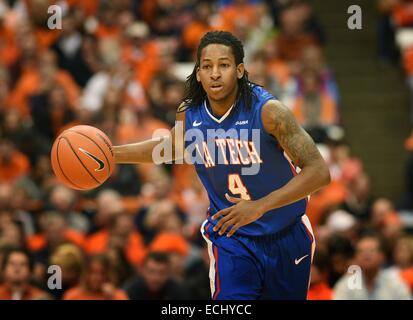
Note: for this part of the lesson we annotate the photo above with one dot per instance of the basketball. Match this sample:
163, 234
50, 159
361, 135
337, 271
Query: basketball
82, 157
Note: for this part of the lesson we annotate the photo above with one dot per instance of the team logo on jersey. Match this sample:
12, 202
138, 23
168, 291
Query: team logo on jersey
240, 123
210, 147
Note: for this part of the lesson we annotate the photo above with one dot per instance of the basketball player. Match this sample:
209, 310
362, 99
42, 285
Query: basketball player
260, 240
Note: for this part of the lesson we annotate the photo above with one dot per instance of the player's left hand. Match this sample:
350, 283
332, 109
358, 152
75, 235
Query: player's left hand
238, 215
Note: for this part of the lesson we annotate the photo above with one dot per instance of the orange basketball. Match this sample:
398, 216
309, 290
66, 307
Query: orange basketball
82, 157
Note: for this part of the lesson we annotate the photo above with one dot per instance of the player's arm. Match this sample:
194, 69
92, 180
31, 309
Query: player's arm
280, 122
143, 152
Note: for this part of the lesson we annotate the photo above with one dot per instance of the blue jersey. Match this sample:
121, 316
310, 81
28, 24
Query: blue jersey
235, 155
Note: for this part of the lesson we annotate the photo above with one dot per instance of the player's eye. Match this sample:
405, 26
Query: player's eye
224, 65
206, 67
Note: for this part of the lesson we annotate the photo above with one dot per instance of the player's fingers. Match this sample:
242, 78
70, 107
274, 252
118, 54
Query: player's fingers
221, 222
232, 199
234, 229
226, 225
220, 213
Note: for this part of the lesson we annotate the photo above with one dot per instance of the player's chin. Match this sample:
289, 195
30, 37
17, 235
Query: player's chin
217, 94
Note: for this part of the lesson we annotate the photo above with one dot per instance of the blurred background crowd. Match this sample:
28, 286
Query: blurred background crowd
121, 66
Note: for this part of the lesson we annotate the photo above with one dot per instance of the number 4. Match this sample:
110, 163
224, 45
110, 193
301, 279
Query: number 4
236, 186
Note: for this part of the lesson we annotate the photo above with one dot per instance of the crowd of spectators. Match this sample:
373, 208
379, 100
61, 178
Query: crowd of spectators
121, 66
395, 44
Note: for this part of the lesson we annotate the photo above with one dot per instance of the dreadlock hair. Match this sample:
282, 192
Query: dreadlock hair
195, 93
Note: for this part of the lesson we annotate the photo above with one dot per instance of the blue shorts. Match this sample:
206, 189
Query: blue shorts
269, 267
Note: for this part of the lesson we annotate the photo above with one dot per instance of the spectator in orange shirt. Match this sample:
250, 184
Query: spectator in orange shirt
17, 269
12, 233
314, 109
402, 252
177, 248
292, 39
63, 200
54, 232
154, 281
37, 11
70, 259
402, 255
162, 215
50, 111
97, 283
9, 51
239, 12
108, 206
385, 219
313, 59
23, 135
40, 79
198, 27
107, 15
13, 164
319, 288
260, 74
121, 235
141, 52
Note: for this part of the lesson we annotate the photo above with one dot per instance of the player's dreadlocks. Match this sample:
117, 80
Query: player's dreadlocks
195, 93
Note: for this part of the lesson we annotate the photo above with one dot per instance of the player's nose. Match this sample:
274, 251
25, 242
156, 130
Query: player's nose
215, 74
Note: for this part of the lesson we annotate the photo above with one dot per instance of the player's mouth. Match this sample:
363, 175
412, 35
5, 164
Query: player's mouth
216, 87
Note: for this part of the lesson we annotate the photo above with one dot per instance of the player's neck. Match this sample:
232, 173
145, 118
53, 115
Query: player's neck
220, 107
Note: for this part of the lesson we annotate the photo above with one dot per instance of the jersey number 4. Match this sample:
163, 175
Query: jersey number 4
236, 186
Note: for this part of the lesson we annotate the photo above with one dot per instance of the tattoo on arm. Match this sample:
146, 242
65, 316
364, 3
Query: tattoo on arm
279, 121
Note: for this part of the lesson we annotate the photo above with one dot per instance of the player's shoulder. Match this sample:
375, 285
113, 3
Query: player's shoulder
181, 110
260, 93
273, 113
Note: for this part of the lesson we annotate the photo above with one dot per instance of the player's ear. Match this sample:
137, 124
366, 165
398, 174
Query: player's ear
240, 70
198, 78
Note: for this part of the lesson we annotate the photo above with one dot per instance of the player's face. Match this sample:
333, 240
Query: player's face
218, 72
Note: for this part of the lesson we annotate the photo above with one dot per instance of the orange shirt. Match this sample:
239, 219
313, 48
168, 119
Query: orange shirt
290, 48
9, 52
403, 14
135, 251
407, 276
408, 60
193, 32
320, 291
79, 293
19, 166
31, 293
45, 37
145, 61
89, 7
38, 242
29, 84
328, 112
280, 70
170, 242
334, 193
232, 14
